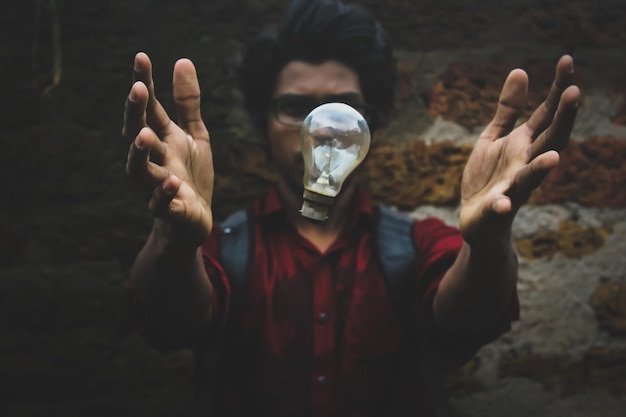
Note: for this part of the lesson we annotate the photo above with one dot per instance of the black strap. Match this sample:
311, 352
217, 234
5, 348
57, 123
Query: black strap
236, 254
397, 254
235, 258
397, 257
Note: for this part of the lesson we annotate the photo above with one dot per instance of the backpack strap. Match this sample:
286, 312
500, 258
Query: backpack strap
236, 242
396, 250
236, 251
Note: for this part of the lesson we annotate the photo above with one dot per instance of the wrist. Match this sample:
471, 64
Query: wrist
171, 237
492, 248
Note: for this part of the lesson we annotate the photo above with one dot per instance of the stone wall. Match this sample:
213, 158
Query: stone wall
71, 224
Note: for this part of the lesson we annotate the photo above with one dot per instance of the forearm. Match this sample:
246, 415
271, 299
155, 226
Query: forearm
171, 286
476, 291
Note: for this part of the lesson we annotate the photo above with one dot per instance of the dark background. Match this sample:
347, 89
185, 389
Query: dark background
71, 224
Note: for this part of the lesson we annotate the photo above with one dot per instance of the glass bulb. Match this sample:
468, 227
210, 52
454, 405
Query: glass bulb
334, 140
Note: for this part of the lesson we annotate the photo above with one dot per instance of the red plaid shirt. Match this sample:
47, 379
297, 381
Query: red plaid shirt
318, 335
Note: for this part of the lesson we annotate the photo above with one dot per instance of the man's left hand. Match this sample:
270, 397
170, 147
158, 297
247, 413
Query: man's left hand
508, 162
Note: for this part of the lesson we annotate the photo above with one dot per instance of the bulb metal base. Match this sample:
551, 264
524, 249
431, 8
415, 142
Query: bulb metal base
315, 206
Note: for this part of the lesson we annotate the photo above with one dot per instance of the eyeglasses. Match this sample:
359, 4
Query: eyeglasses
292, 109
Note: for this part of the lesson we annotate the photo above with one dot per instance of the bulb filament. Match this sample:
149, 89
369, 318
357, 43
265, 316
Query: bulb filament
324, 178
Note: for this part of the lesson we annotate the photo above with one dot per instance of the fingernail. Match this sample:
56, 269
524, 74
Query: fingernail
138, 144
132, 96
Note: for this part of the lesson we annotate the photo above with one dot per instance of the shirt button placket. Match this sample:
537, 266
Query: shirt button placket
322, 372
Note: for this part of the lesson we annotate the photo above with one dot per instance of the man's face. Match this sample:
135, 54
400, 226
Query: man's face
300, 88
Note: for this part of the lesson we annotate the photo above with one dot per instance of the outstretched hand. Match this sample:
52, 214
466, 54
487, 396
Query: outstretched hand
508, 162
171, 161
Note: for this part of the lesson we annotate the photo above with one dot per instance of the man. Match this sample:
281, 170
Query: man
316, 333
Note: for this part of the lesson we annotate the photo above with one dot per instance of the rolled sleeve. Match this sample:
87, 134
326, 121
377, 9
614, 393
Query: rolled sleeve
220, 300
437, 246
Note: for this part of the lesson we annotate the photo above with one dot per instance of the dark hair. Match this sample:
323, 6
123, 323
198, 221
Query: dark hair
315, 31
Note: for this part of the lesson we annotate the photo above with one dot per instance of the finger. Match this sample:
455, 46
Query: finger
156, 116
187, 99
135, 111
510, 105
542, 117
139, 166
530, 177
163, 196
557, 135
501, 205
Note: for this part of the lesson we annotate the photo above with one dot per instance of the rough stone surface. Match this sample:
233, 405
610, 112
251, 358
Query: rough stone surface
71, 224
609, 302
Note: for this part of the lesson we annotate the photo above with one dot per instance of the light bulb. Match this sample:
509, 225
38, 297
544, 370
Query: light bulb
334, 140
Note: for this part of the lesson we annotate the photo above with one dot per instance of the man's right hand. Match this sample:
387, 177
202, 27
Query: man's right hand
171, 161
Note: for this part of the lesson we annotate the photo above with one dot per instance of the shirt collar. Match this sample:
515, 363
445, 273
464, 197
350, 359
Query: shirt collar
271, 203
